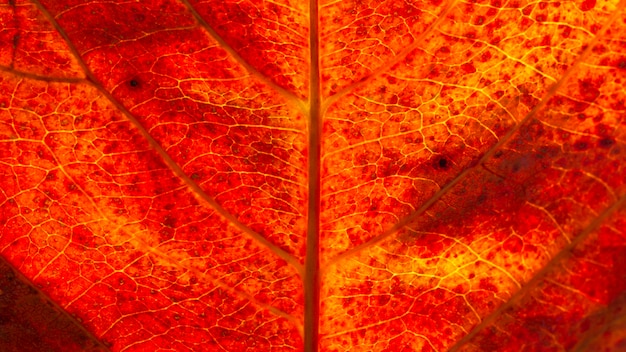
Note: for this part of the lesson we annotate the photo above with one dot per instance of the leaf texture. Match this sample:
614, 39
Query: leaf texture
325, 176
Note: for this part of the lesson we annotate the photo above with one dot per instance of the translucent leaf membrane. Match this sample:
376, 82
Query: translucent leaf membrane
154, 189
593, 309
111, 234
359, 38
509, 254
239, 140
29, 43
272, 37
94, 216
401, 136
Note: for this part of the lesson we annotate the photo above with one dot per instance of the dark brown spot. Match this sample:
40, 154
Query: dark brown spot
606, 142
441, 163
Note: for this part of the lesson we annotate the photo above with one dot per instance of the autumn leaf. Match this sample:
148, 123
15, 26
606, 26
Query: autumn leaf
327, 176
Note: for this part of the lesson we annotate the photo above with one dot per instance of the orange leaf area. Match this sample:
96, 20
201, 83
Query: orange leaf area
325, 176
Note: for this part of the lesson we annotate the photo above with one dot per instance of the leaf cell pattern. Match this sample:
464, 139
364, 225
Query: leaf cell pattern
184, 175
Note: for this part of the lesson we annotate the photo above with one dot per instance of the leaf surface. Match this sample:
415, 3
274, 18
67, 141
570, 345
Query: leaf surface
332, 176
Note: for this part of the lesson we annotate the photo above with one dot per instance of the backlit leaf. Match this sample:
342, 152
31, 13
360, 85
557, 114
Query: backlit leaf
182, 175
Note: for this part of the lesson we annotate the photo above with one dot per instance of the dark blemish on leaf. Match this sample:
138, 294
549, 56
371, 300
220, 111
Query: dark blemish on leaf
441, 163
133, 83
522, 163
16, 40
169, 222
581, 145
606, 143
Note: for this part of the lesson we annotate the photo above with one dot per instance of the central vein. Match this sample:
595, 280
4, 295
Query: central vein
311, 277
